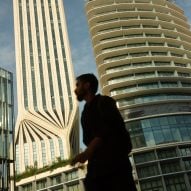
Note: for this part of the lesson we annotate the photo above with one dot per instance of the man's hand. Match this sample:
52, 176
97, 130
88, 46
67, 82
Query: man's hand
88, 153
82, 158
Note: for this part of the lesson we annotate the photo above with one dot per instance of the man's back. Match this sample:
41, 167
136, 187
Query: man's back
101, 118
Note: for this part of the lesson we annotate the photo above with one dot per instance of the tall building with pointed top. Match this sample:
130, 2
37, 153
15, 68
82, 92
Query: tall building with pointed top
143, 55
47, 122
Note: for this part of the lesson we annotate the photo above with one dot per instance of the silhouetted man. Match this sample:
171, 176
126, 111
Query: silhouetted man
108, 142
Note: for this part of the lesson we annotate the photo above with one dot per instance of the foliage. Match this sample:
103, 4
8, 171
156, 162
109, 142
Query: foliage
33, 170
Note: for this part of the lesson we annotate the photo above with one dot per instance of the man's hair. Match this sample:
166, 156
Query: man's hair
91, 78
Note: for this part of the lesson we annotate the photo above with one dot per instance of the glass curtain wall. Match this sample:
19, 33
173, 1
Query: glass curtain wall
6, 128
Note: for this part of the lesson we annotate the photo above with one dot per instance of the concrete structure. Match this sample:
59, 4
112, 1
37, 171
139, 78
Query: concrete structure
60, 179
143, 55
47, 122
6, 128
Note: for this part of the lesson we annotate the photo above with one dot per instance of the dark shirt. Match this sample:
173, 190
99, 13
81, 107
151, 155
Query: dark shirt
101, 118
109, 168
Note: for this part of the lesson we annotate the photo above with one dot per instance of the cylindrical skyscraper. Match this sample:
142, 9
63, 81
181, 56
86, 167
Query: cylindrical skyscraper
47, 123
143, 56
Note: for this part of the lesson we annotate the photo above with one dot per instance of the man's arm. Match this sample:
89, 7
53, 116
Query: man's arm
88, 153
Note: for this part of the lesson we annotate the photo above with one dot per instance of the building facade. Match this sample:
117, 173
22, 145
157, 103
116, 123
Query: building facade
6, 128
143, 56
47, 122
61, 179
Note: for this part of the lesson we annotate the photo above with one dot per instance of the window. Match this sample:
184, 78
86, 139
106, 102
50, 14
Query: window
128, 18
167, 153
187, 163
148, 85
108, 49
169, 167
34, 151
175, 54
175, 183
125, 9
120, 79
148, 171
169, 84
145, 75
184, 84
180, 64
165, 73
136, 45
189, 176
152, 185
155, 44
134, 35
111, 38
153, 131
43, 152
142, 64
150, 26
137, 54
61, 148
185, 151
159, 53
183, 74
144, 157
74, 187
152, 35
115, 58
131, 88
168, 36
151, 98
109, 29
71, 175
27, 187
108, 20
118, 68
26, 154
148, 17
100, 12
131, 27
159, 63
41, 184
173, 45
56, 179
52, 149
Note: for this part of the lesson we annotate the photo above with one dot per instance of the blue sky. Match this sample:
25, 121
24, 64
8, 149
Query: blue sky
82, 53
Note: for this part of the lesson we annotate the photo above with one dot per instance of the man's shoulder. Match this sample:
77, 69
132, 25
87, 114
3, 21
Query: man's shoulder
105, 98
105, 101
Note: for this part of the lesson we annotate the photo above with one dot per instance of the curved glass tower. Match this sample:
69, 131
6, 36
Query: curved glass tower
47, 122
143, 56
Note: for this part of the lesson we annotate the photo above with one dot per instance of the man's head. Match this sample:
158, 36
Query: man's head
86, 84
